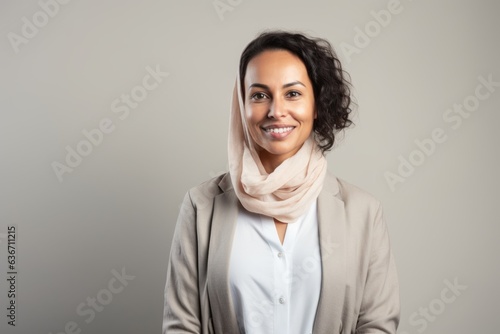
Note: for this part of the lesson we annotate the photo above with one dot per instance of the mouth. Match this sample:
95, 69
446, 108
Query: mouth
277, 132
279, 129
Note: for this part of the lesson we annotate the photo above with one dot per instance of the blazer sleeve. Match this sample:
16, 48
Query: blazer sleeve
181, 303
380, 306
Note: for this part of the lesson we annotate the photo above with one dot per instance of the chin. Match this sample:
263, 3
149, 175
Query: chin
277, 150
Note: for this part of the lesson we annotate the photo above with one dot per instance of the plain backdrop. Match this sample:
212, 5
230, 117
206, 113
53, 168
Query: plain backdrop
67, 69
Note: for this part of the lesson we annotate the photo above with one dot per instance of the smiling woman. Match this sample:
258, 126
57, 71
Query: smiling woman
278, 244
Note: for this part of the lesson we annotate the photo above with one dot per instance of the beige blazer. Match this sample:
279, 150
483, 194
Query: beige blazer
359, 287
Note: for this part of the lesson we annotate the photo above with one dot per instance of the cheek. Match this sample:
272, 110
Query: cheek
249, 116
252, 120
307, 114
254, 114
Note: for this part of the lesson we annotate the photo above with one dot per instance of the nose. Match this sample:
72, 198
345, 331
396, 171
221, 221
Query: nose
277, 109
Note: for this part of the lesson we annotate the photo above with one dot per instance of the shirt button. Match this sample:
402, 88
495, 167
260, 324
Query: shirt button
280, 254
282, 300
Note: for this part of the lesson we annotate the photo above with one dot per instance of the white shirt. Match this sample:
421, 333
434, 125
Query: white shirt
275, 288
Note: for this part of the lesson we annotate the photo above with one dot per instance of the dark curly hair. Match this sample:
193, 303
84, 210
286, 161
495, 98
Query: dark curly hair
330, 82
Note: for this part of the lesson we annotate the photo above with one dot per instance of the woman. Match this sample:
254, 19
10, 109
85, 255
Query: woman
278, 244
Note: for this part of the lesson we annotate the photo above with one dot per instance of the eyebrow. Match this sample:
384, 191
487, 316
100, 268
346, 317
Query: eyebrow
284, 86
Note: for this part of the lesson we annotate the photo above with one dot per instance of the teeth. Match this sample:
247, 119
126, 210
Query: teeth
280, 130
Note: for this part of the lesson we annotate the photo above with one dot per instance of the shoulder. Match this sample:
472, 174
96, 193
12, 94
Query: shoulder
207, 190
353, 196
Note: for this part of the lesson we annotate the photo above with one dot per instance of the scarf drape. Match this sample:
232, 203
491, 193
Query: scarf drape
287, 192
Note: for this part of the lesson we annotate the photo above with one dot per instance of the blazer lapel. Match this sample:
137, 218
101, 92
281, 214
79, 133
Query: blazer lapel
332, 230
223, 226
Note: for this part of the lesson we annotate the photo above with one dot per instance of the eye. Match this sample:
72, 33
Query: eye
258, 96
293, 94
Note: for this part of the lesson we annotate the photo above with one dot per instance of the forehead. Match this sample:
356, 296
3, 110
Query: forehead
275, 66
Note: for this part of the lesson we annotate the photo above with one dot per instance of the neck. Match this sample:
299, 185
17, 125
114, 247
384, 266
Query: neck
270, 161
270, 166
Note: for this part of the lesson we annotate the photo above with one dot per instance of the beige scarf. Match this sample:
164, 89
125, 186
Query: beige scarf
287, 192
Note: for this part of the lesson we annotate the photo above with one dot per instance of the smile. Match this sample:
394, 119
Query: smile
279, 130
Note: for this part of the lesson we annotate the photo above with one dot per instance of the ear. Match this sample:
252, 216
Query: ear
315, 114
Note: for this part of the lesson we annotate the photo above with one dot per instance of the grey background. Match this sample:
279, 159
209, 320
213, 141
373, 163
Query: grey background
117, 209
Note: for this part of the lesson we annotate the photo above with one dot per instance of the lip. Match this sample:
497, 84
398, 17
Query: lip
274, 126
277, 135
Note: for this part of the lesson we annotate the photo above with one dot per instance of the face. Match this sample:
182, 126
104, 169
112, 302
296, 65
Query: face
279, 105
